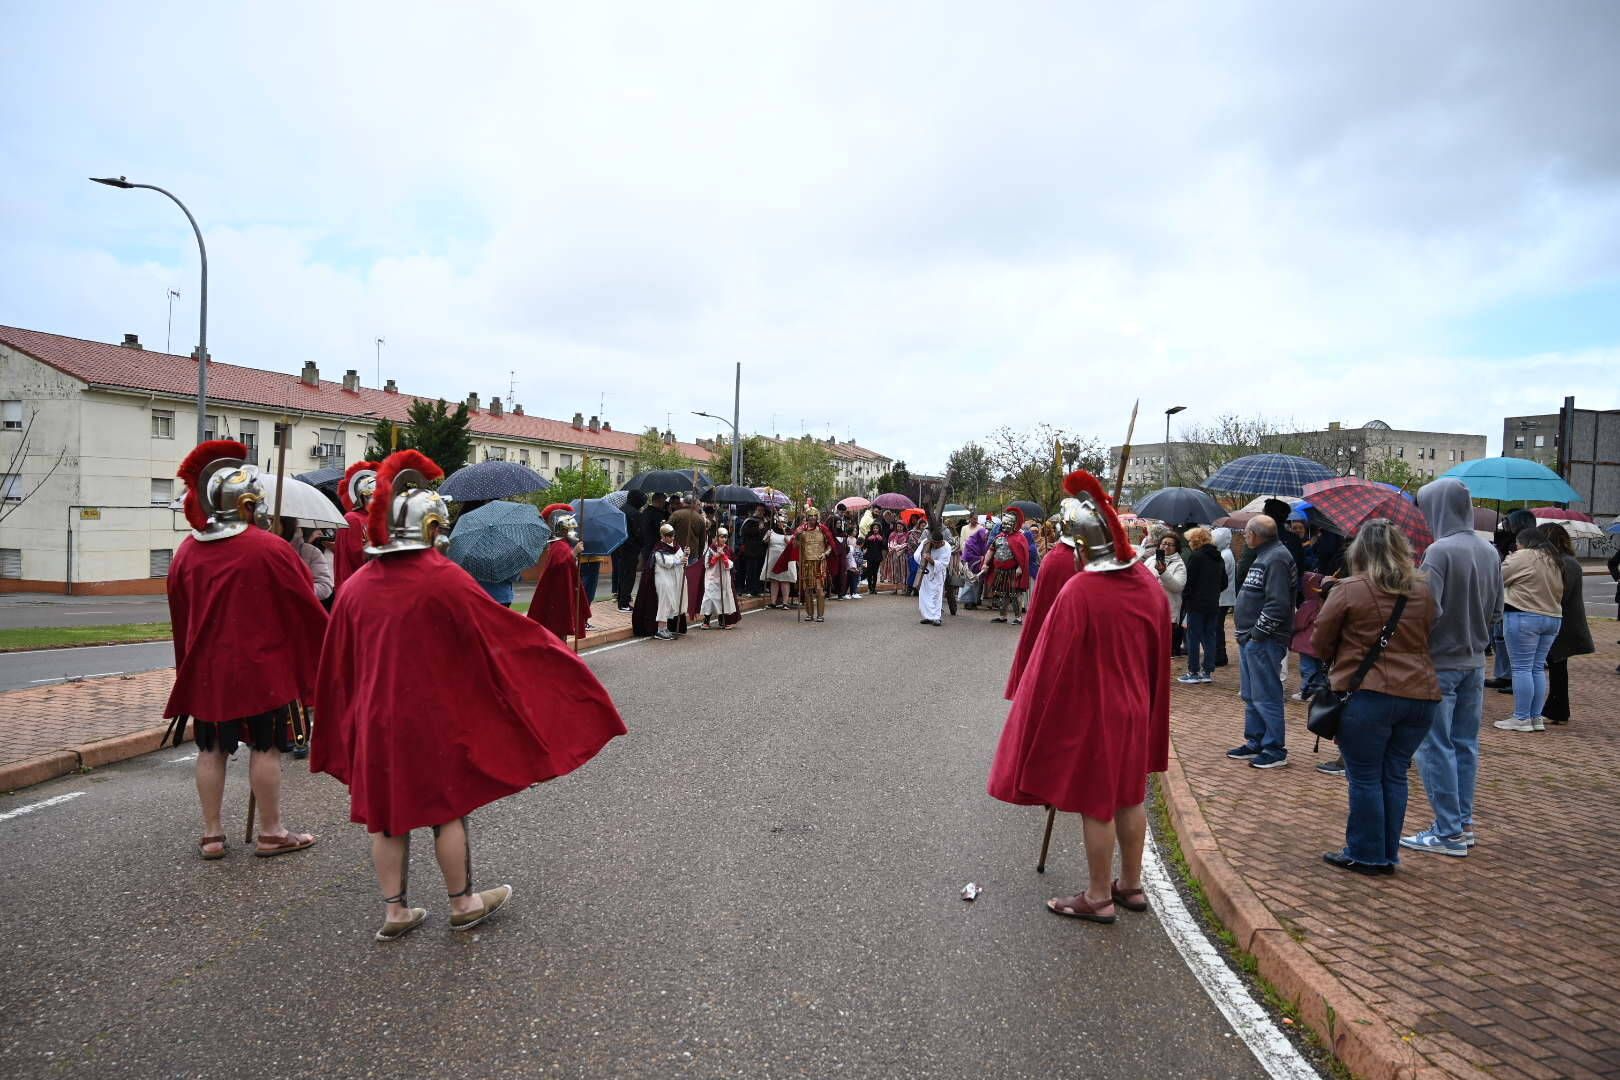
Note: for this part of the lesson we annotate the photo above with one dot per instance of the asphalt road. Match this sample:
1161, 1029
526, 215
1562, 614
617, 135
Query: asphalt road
42, 609
40, 667
761, 880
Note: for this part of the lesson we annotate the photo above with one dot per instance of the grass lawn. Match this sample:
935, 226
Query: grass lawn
67, 637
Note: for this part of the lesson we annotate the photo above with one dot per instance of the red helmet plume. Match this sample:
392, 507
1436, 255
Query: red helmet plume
382, 499
191, 475
348, 474
1080, 483
545, 515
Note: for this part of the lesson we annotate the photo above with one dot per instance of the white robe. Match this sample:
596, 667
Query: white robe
669, 575
931, 588
719, 597
775, 544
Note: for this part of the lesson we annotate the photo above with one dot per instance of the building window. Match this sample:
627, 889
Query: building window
1451, 455
10, 415
545, 459
523, 455
1518, 442
1400, 451
11, 487
565, 461
11, 563
162, 492
495, 453
210, 426
162, 423
279, 438
331, 447
250, 437
1541, 441
159, 562
1431, 454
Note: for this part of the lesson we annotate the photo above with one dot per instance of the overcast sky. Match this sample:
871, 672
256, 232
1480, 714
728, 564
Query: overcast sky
911, 224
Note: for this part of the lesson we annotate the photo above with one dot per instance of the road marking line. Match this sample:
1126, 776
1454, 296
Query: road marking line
54, 800
1279, 1057
183, 757
86, 648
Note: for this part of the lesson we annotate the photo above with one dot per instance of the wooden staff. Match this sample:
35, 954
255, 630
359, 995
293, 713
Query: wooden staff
584, 478
1046, 841
281, 476
1125, 453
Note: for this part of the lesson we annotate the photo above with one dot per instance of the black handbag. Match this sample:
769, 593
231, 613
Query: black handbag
1327, 705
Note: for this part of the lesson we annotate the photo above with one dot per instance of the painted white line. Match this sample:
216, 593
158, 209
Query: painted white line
86, 648
54, 800
182, 757
1279, 1057
70, 678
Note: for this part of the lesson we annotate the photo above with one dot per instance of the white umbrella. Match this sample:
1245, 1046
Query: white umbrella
298, 500
1255, 506
1578, 530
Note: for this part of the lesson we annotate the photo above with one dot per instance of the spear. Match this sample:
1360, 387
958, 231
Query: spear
281, 476
584, 479
1125, 453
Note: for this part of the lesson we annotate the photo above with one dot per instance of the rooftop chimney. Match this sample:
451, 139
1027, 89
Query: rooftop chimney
606, 426
596, 424
495, 406
194, 354
517, 410
132, 341
472, 402
389, 387
311, 375
351, 380
579, 421
1333, 425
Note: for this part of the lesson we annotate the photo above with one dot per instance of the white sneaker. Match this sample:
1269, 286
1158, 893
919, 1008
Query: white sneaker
1539, 722
1511, 724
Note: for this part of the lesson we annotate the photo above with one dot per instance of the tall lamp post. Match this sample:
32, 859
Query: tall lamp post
202, 318
736, 447
1168, 413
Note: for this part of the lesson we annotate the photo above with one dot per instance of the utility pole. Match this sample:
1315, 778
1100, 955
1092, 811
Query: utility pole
736, 431
380, 343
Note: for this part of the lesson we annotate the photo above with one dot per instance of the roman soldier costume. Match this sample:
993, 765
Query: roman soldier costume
560, 603
1007, 564
354, 493
1091, 712
809, 549
434, 701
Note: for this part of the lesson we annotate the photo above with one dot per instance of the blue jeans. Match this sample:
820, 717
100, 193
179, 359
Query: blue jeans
1529, 639
1260, 686
1309, 668
1202, 630
1377, 737
589, 575
1448, 760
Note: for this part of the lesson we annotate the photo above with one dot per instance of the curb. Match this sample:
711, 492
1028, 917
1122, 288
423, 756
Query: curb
94, 755
1351, 1031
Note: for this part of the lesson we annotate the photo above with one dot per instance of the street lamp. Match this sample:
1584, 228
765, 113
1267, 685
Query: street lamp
736, 445
202, 319
1168, 413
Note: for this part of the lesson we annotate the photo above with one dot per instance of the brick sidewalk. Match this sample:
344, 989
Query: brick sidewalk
1505, 964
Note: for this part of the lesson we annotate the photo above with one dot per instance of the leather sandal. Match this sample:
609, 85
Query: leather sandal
1078, 907
210, 856
1129, 899
393, 931
280, 845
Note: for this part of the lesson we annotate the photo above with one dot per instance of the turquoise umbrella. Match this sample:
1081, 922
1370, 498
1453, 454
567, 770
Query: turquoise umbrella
1512, 479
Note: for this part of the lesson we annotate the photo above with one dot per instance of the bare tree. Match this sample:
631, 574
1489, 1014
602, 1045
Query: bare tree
19, 458
1030, 464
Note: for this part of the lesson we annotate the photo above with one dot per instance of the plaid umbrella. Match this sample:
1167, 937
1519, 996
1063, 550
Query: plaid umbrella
893, 500
616, 499
1345, 502
489, 480
1269, 474
499, 541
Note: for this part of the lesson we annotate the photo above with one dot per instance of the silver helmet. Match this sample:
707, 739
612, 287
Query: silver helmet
232, 496
565, 526
418, 517
362, 485
1085, 526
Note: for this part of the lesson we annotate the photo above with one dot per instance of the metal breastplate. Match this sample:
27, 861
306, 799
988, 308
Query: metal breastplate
812, 545
1004, 552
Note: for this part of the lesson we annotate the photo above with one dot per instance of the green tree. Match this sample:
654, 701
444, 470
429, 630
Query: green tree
652, 452
1031, 463
760, 461
804, 467
568, 484
968, 474
897, 479
1394, 470
433, 429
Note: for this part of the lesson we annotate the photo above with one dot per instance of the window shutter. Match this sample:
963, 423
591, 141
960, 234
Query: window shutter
11, 563
160, 562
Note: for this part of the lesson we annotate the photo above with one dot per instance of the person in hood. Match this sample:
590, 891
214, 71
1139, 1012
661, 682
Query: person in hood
1223, 540
1465, 578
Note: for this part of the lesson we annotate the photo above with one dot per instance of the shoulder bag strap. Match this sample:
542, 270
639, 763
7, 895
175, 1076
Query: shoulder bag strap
1377, 650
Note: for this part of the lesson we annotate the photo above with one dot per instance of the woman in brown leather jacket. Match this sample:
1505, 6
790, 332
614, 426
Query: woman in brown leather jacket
1387, 718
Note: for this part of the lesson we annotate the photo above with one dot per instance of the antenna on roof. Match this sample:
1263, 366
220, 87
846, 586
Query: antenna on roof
380, 343
601, 407
168, 339
511, 387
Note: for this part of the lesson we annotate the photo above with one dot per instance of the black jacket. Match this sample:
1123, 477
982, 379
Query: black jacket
753, 538
1574, 635
1206, 577
651, 517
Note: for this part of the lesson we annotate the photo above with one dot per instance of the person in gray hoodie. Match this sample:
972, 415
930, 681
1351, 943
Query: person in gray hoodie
1265, 623
1223, 541
1465, 577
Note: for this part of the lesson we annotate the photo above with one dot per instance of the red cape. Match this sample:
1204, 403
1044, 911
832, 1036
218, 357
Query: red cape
435, 700
1020, 549
348, 550
559, 602
247, 627
790, 554
1091, 718
1056, 569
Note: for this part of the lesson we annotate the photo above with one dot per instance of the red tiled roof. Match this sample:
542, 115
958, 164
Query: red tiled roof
848, 451
117, 367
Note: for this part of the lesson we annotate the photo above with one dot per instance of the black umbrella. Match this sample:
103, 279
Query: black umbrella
325, 481
668, 481
1179, 506
735, 494
1032, 510
490, 480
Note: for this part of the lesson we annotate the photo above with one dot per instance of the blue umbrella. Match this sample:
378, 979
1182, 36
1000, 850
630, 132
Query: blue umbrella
1268, 474
1614, 527
604, 524
489, 480
1512, 479
499, 541
1179, 505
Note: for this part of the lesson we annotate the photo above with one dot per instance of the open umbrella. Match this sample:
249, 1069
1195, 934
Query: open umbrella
1614, 528
771, 497
732, 494
1346, 502
1179, 505
498, 541
1558, 513
1576, 530
605, 526
1258, 505
853, 503
893, 500
300, 500
1032, 510
617, 499
1269, 474
668, 481
909, 516
490, 480
1511, 479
